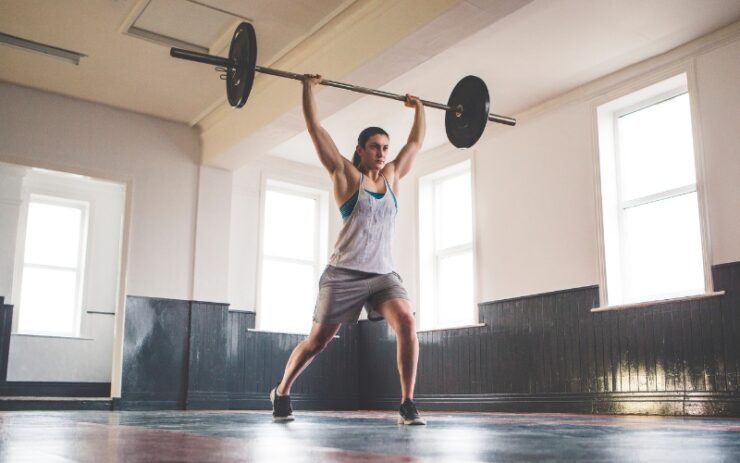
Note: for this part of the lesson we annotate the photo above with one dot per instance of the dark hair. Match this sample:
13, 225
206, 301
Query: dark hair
363, 138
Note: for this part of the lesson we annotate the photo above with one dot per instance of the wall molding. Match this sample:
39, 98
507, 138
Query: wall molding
726, 265
545, 294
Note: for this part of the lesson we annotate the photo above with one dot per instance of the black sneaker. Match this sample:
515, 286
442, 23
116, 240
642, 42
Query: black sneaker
409, 414
281, 410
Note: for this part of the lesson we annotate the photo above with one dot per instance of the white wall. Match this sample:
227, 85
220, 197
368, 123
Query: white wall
530, 192
535, 185
535, 209
718, 81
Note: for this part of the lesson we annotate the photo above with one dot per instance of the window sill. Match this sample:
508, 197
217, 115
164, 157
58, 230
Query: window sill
429, 330
28, 335
638, 305
254, 330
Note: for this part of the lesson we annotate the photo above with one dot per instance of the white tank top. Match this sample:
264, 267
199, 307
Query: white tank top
364, 242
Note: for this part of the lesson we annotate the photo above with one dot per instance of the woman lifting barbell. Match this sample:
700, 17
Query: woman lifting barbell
360, 271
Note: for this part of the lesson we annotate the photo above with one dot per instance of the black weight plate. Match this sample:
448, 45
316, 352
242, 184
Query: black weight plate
243, 53
465, 129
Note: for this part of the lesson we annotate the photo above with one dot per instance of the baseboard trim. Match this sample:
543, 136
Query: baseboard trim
261, 401
236, 401
647, 403
147, 405
53, 403
207, 400
53, 389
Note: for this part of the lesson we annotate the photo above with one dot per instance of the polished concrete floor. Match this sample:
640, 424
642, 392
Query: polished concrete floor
202, 436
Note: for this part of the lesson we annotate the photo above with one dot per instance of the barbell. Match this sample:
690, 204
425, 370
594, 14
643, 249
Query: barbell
467, 108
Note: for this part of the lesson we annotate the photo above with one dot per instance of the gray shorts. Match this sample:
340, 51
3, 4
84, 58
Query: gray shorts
343, 293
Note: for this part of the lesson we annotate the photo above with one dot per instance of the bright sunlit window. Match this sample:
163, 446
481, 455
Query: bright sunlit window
652, 229
53, 266
446, 248
294, 240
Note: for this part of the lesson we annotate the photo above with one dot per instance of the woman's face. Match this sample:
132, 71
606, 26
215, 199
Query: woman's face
373, 154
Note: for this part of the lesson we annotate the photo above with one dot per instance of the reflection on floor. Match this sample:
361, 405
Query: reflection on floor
97, 436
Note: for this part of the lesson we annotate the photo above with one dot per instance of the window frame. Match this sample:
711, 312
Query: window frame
427, 186
80, 269
642, 93
292, 187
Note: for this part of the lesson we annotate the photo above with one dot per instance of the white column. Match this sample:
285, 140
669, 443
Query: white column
11, 198
213, 226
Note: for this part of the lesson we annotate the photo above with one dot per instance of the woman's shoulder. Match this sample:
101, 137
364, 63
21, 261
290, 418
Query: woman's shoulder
389, 172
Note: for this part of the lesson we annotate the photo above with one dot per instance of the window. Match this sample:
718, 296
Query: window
446, 248
53, 266
652, 229
294, 243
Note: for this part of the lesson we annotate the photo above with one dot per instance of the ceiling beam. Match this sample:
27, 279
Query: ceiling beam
359, 33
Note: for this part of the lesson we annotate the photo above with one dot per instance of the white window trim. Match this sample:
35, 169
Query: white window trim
80, 269
291, 186
623, 205
638, 305
456, 163
688, 68
667, 194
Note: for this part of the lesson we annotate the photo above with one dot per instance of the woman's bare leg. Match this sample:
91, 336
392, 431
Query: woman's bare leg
400, 317
320, 336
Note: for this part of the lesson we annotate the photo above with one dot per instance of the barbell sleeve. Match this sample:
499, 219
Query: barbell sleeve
201, 57
501, 119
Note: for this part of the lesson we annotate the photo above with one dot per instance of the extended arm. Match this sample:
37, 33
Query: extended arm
407, 155
327, 151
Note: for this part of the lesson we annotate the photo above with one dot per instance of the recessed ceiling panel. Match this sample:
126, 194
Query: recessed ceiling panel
185, 23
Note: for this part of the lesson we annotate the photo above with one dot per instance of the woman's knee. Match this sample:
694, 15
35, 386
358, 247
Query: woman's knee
406, 324
316, 344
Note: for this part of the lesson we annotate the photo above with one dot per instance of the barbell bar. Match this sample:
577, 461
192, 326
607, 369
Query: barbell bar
467, 108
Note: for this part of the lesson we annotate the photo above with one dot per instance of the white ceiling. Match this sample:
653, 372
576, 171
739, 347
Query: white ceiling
526, 52
540, 51
129, 72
